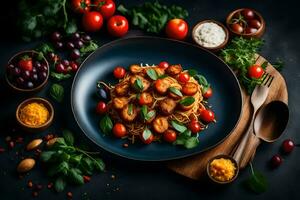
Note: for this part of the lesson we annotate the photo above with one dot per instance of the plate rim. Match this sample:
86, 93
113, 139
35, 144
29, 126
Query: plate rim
111, 43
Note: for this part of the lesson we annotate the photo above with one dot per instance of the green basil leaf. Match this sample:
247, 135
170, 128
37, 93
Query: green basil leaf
90, 47
60, 184
60, 76
87, 165
62, 168
187, 101
106, 124
201, 80
57, 92
150, 114
71, 27
192, 72
162, 76
257, 182
175, 91
178, 126
138, 85
68, 136
205, 88
152, 74
75, 159
75, 177
191, 142
46, 155
144, 111
146, 134
99, 164
45, 48
130, 109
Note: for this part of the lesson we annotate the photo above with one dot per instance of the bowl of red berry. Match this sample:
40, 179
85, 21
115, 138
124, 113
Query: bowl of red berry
27, 71
246, 22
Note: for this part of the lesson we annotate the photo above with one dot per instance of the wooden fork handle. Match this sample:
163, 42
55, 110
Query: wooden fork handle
250, 150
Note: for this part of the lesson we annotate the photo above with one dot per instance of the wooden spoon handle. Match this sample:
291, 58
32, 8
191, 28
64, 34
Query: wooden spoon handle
250, 150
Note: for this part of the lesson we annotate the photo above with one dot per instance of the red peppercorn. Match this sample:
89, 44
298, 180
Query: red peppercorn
86, 179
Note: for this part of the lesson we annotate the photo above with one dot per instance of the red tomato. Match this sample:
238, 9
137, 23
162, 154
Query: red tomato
170, 136
119, 72
80, 6
146, 136
255, 71
25, 64
237, 28
207, 116
163, 65
177, 29
145, 99
184, 77
117, 26
254, 23
208, 93
92, 21
101, 108
106, 7
195, 126
119, 130
248, 13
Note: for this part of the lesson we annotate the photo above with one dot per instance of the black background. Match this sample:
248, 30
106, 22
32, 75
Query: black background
144, 180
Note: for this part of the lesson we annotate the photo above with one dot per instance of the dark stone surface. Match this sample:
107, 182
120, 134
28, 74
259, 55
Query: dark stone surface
142, 180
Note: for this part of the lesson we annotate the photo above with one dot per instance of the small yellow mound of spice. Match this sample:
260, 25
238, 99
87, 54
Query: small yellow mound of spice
222, 169
34, 114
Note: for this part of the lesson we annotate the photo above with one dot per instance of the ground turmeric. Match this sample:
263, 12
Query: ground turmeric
34, 114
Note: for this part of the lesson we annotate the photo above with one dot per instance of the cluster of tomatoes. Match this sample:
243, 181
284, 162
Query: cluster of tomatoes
94, 14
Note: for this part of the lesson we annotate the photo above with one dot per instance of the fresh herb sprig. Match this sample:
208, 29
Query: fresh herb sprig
257, 181
185, 137
57, 92
67, 163
152, 16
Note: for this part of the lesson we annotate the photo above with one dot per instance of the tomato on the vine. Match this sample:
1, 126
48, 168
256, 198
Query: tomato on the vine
92, 21
81, 6
177, 29
208, 93
195, 126
207, 116
255, 71
183, 77
106, 7
119, 72
170, 136
117, 26
119, 130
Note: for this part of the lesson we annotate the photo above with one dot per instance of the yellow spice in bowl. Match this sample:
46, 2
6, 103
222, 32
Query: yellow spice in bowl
222, 169
34, 114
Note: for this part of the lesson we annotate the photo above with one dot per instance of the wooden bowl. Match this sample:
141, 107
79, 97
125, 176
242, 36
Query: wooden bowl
32, 90
41, 127
213, 49
258, 34
225, 157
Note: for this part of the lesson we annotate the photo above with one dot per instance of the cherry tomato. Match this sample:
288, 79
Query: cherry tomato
250, 30
92, 21
237, 28
195, 126
146, 136
190, 89
119, 130
207, 116
248, 13
26, 64
106, 7
145, 99
184, 77
276, 160
80, 6
255, 71
287, 146
117, 26
208, 93
101, 108
177, 29
119, 72
254, 23
163, 65
170, 136
161, 86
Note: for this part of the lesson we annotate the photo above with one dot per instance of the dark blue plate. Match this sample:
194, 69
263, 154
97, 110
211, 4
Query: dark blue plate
226, 101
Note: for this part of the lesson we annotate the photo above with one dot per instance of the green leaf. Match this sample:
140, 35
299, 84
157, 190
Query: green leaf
138, 85
46, 155
187, 101
90, 47
150, 114
75, 159
106, 124
71, 27
146, 134
99, 164
61, 168
68, 136
191, 142
60, 76
278, 64
121, 8
162, 76
152, 74
178, 126
264, 65
60, 184
45, 48
175, 91
130, 109
192, 72
201, 80
75, 177
57, 92
257, 181
87, 165
144, 112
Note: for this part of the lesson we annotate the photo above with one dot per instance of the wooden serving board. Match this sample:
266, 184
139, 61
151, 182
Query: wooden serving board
194, 167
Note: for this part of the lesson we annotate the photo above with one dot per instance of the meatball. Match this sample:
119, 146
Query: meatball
129, 113
174, 70
167, 106
146, 99
160, 124
120, 102
122, 88
190, 89
135, 69
161, 86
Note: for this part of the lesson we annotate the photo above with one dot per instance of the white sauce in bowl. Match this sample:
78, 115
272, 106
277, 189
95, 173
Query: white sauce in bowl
209, 34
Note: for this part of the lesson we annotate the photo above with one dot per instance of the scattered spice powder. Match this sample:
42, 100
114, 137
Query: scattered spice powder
34, 114
222, 169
